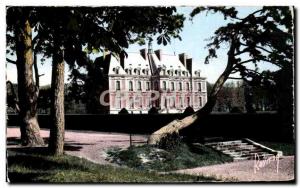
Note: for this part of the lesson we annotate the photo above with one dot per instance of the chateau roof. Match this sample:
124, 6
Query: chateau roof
136, 61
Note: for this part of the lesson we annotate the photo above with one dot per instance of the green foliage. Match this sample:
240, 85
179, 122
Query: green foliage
287, 149
37, 168
265, 35
170, 142
180, 157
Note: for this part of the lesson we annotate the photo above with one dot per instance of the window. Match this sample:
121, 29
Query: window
139, 85
187, 86
130, 86
117, 71
172, 102
200, 101
138, 72
118, 85
164, 85
188, 101
172, 86
131, 103
164, 72
118, 102
130, 72
147, 86
199, 86
181, 101
180, 86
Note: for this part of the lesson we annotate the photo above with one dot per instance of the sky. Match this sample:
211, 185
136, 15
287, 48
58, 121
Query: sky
194, 40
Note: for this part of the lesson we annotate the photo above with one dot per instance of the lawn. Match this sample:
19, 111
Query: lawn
26, 166
286, 148
183, 156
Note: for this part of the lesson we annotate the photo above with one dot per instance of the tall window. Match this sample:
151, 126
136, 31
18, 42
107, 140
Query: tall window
200, 101
130, 86
172, 86
164, 85
130, 72
147, 86
118, 102
199, 86
139, 85
131, 103
181, 101
180, 86
138, 72
188, 101
118, 87
187, 86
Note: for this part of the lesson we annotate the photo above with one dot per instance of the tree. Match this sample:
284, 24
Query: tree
65, 31
120, 26
264, 36
19, 38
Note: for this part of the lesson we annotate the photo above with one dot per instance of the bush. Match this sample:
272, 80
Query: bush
153, 110
170, 142
123, 111
189, 111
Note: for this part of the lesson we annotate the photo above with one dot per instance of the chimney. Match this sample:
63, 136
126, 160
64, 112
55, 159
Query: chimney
189, 65
122, 57
143, 53
158, 54
182, 58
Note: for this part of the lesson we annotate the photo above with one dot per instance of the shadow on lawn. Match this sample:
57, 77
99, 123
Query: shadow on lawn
25, 165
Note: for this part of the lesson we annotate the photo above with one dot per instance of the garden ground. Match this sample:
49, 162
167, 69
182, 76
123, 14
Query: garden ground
93, 146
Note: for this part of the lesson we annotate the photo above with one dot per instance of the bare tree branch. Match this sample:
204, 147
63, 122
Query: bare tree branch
36, 71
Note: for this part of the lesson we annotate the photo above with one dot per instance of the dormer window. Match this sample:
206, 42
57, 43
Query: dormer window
116, 70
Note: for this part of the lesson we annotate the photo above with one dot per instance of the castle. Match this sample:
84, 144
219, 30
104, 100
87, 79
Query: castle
145, 80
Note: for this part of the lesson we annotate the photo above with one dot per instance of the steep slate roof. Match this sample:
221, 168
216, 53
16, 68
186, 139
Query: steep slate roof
136, 60
169, 62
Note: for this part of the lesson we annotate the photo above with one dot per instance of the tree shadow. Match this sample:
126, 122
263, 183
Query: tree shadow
74, 146
10, 141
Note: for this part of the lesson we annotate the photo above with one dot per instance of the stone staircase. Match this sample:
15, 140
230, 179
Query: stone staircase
243, 149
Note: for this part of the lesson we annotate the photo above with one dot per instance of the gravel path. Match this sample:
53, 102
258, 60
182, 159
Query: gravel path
92, 146
88, 144
243, 171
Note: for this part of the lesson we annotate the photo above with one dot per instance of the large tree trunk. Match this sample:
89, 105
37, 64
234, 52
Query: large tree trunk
175, 126
57, 132
27, 91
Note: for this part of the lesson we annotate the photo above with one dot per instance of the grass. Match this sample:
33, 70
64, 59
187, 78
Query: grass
31, 167
287, 148
148, 158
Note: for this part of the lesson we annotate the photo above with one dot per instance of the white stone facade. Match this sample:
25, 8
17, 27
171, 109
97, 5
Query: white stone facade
134, 79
